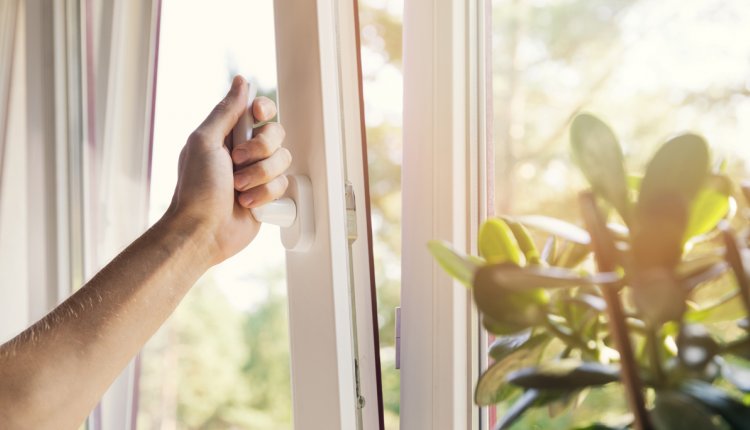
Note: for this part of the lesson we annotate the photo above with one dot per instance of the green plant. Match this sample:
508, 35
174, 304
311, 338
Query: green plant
654, 292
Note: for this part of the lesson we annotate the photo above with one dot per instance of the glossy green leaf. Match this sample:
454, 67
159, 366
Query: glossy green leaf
599, 156
680, 166
556, 227
505, 327
549, 251
511, 277
590, 301
736, 414
458, 266
571, 255
505, 345
709, 207
673, 179
727, 308
497, 243
492, 387
674, 410
566, 374
528, 399
525, 242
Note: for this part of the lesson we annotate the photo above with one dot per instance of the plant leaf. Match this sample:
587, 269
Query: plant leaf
505, 345
523, 404
456, 265
566, 374
729, 307
599, 156
525, 242
556, 227
674, 410
497, 243
503, 328
736, 414
549, 250
523, 278
673, 178
571, 255
709, 207
492, 387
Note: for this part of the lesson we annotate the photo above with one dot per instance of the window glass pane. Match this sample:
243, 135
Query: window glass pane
649, 69
380, 32
222, 360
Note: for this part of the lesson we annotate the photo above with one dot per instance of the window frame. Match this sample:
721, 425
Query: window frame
445, 174
323, 120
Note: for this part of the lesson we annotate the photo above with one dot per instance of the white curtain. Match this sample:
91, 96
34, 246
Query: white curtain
14, 307
76, 101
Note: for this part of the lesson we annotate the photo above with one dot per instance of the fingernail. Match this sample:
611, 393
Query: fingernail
236, 81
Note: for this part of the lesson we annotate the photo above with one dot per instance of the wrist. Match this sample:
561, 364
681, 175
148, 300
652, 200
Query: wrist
193, 236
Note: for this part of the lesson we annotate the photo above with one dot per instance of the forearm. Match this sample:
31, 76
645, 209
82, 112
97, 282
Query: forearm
52, 374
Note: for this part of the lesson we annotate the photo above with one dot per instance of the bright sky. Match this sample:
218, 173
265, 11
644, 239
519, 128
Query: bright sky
202, 43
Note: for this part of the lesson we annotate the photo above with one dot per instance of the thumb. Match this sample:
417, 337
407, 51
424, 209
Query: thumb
224, 116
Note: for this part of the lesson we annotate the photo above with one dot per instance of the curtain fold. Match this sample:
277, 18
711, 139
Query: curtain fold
8, 19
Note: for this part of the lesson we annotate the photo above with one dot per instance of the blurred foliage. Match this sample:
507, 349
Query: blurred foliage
558, 320
213, 366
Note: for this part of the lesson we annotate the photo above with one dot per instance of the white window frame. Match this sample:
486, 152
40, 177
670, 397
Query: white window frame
445, 197
323, 118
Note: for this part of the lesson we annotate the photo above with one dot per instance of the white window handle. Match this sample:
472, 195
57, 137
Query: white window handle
294, 213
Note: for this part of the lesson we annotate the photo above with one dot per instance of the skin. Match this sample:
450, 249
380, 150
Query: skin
53, 374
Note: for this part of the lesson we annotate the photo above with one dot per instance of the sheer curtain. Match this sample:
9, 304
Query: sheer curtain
77, 82
13, 298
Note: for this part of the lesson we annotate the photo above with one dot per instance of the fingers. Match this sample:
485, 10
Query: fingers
266, 142
224, 116
263, 109
265, 193
263, 171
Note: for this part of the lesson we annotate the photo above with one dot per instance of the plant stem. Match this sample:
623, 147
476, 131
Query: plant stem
569, 339
734, 257
606, 260
653, 355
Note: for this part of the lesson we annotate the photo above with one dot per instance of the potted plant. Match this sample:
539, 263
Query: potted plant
652, 292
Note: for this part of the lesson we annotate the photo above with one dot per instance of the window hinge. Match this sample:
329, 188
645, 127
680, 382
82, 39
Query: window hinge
351, 212
398, 337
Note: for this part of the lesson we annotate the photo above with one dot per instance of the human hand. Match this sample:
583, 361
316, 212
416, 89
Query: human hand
205, 195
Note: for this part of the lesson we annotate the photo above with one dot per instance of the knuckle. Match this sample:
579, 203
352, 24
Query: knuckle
265, 145
263, 171
197, 136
